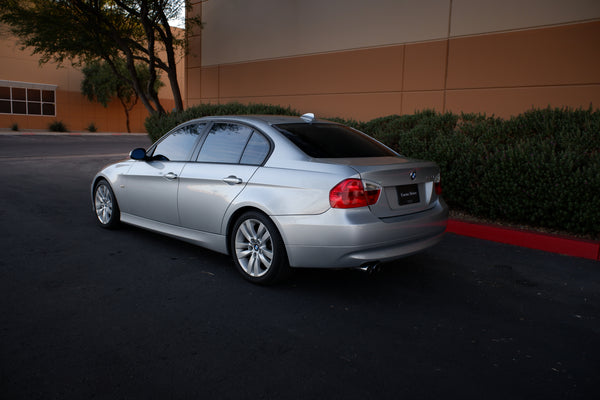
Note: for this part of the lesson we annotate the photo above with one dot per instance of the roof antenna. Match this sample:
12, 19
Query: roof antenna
308, 117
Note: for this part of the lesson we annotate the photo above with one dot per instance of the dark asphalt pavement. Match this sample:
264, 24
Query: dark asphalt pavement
87, 313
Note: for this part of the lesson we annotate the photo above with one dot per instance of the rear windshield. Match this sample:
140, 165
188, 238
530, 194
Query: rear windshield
333, 141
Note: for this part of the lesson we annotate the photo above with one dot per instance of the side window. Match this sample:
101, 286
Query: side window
178, 146
224, 143
256, 150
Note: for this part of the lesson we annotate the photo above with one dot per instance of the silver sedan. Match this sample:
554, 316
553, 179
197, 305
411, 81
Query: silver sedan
277, 193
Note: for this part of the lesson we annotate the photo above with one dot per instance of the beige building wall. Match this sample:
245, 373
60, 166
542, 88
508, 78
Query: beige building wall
22, 69
362, 60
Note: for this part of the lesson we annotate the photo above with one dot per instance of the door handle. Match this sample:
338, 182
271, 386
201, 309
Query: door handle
171, 176
232, 180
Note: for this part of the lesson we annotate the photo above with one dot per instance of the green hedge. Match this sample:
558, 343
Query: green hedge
540, 168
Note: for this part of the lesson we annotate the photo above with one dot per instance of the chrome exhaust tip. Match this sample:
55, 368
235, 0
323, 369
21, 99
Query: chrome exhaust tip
371, 267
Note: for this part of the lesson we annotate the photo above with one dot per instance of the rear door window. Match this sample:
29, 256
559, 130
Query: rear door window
228, 143
225, 143
256, 151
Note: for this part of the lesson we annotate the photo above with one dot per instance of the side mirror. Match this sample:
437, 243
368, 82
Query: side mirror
138, 154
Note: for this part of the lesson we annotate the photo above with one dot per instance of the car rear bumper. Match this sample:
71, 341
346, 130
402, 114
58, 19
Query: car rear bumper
352, 238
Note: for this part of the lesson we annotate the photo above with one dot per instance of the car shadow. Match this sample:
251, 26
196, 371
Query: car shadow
416, 274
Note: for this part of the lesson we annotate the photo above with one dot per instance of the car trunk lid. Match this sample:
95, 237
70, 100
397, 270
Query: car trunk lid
407, 185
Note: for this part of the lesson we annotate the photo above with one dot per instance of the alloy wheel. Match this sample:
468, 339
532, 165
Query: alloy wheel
104, 204
254, 248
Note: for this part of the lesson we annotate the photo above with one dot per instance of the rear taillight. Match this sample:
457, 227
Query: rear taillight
353, 193
437, 183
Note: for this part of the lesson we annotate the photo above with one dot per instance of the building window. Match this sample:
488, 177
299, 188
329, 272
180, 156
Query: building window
22, 98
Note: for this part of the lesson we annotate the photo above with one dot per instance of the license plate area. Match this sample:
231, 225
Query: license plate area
408, 194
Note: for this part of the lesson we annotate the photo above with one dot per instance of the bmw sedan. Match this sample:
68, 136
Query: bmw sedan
277, 193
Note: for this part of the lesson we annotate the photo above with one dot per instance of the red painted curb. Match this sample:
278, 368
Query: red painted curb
551, 243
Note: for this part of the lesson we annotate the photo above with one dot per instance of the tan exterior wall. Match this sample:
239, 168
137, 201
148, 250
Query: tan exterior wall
72, 108
500, 58
77, 113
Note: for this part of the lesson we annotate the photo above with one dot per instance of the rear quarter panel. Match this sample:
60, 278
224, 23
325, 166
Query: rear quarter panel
301, 188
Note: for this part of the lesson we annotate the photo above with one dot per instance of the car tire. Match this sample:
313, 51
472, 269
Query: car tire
258, 250
106, 208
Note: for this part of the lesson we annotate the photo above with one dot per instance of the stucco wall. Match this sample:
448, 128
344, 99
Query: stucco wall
366, 59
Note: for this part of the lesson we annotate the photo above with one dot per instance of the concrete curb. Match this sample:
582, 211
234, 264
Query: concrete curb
551, 243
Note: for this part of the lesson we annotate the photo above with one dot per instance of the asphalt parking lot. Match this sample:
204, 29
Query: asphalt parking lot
90, 313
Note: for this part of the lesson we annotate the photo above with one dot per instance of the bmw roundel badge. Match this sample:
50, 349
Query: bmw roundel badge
413, 175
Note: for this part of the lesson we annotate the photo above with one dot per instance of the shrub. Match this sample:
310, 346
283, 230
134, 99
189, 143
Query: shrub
57, 126
92, 127
14, 127
540, 168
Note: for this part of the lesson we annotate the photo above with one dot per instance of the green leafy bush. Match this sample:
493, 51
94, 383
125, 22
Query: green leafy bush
57, 126
92, 127
540, 168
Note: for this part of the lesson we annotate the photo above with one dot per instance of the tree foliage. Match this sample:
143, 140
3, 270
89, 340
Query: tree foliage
101, 84
81, 31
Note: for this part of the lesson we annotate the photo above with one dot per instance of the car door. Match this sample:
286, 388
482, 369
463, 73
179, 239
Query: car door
149, 189
228, 158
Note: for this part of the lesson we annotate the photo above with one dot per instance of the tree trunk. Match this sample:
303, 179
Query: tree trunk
167, 37
126, 115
